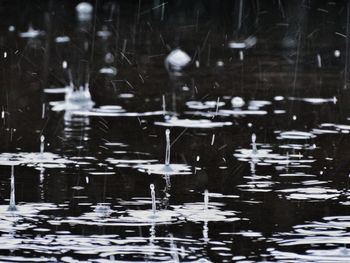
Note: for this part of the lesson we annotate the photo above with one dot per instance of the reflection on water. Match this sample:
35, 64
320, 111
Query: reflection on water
179, 131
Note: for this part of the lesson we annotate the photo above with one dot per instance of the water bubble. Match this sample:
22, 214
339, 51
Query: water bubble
237, 102
109, 58
84, 11
62, 39
278, 98
220, 63
337, 53
11, 28
177, 60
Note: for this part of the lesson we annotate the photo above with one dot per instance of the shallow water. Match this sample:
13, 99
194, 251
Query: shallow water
84, 196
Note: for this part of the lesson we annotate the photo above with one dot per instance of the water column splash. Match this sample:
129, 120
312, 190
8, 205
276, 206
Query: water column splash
167, 149
254, 149
206, 200
12, 206
41, 156
205, 225
153, 194
163, 105
42, 145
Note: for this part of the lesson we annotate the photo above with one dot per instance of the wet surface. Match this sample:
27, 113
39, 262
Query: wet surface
256, 165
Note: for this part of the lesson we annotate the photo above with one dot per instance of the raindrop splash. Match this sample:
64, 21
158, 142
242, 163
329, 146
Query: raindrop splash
153, 194
254, 148
42, 145
167, 149
206, 200
12, 206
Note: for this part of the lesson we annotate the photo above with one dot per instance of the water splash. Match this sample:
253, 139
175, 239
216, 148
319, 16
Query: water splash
254, 148
153, 194
206, 200
167, 168
42, 145
12, 206
167, 149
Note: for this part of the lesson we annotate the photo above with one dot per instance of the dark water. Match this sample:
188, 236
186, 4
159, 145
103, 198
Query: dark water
86, 197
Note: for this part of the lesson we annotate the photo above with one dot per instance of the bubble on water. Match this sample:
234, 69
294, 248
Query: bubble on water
108, 71
62, 39
337, 53
237, 102
177, 60
278, 98
11, 28
220, 63
84, 11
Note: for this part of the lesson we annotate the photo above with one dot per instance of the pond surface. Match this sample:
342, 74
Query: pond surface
234, 148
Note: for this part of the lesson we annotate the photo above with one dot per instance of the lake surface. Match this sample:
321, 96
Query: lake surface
259, 124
